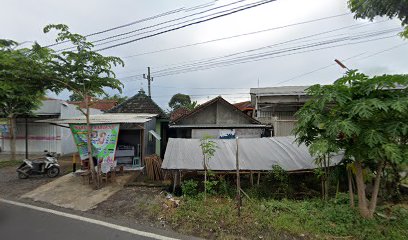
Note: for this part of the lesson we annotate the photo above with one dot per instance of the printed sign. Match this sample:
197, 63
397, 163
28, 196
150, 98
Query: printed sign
104, 138
4, 125
227, 133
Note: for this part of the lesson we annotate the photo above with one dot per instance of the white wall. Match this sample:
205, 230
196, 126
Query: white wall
239, 132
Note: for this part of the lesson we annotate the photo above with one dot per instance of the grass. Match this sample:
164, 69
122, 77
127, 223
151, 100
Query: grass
284, 219
9, 163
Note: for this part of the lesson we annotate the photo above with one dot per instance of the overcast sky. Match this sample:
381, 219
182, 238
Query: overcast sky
24, 20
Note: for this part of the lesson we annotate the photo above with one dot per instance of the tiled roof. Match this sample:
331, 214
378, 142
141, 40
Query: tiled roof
139, 103
101, 104
179, 112
243, 106
201, 107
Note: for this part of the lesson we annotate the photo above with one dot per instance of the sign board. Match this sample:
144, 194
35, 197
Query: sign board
4, 125
104, 138
227, 133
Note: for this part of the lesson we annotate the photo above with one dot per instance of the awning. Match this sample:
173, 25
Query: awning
255, 154
105, 118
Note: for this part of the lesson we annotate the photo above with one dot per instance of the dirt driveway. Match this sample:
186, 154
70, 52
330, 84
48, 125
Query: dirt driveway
11, 187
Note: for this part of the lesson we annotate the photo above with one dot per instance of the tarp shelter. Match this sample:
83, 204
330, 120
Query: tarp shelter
254, 154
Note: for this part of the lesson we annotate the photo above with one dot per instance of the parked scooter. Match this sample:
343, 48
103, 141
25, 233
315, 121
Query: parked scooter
46, 165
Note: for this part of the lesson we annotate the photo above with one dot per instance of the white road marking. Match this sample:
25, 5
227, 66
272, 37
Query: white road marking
90, 220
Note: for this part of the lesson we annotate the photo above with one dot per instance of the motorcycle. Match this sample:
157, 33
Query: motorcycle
47, 165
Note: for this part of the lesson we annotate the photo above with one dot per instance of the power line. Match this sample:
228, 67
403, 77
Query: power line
238, 35
184, 26
213, 60
142, 20
263, 56
169, 21
268, 46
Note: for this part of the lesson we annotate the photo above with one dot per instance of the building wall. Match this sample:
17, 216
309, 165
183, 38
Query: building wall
216, 114
41, 136
215, 133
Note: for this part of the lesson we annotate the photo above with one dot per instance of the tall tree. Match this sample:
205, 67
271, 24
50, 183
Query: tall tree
22, 84
181, 100
390, 8
84, 72
365, 117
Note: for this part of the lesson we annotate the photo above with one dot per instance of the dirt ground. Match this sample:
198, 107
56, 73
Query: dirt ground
133, 204
11, 187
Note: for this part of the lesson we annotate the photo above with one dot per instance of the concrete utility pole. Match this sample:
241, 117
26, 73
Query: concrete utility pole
149, 79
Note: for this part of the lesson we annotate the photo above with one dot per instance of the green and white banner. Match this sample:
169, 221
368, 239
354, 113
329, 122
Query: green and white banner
104, 138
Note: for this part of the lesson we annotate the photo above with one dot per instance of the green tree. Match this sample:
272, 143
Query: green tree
84, 72
182, 100
120, 99
23, 75
367, 118
208, 148
390, 8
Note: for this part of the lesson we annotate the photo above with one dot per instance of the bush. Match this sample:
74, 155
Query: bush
189, 188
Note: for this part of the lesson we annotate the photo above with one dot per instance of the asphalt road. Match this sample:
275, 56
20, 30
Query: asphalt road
19, 222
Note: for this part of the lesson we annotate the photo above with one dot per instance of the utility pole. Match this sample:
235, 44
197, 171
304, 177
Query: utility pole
149, 79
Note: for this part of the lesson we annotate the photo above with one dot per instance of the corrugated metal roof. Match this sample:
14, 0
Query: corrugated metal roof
219, 126
107, 118
279, 91
257, 154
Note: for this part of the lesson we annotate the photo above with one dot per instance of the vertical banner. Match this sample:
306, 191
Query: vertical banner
4, 125
104, 138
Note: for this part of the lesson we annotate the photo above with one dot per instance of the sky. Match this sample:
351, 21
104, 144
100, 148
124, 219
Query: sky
294, 47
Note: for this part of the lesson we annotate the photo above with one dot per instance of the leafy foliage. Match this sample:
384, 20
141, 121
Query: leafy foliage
82, 70
189, 188
182, 100
390, 8
363, 116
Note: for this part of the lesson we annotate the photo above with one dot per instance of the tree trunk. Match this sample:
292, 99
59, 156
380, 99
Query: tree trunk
13, 136
95, 178
350, 187
366, 208
374, 197
205, 179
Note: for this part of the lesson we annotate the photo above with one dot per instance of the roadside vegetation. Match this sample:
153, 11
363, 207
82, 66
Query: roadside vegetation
9, 163
275, 209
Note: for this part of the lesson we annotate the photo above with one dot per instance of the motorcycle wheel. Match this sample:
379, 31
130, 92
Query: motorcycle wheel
22, 175
52, 172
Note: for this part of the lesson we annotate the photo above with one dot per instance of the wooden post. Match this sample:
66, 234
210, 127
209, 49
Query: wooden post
259, 177
238, 183
251, 178
174, 182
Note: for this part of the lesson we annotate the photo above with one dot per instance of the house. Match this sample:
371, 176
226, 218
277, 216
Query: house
278, 105
217, 118
245, 107
154, 131
35, 137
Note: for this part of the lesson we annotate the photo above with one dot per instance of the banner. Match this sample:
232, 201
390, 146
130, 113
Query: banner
104, 138
4, 125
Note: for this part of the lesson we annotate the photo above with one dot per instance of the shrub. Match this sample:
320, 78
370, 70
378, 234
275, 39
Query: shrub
189, 188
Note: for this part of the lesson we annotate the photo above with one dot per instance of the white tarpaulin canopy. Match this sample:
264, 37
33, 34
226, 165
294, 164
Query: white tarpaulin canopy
256, 154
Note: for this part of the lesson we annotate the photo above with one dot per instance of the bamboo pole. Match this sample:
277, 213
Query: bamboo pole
238, 183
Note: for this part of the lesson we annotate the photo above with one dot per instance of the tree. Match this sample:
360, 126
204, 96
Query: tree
75, 97
120, 99
181, 100
84, 72
22, 84
390, 8
208, 148
365, 117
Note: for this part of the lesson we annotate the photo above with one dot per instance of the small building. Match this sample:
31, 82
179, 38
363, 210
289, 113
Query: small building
217, 118
35, 137
155, 130
277, 106
245, 107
